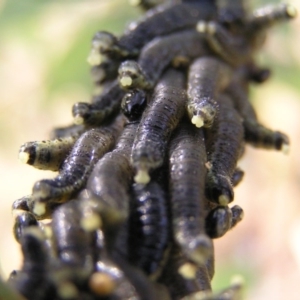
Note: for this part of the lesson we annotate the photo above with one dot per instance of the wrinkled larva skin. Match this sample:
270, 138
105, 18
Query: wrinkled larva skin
137, 202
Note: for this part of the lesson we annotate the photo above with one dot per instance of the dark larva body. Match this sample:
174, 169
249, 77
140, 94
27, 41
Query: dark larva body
237, 176
73, 244
232, 48
47, 155
23, 219
208, 76
255, 133
33, 281
163, 20
221, 219
110, 181
182, 282
223, 148
104, 106
88, 149
187, 178
107, 70
267, 16
158, 121
67, 131
148, 227
157, 55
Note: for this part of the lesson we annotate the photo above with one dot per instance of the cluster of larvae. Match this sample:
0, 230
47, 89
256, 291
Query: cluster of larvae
146, 173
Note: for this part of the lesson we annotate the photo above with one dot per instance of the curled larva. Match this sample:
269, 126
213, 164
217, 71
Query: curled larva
92, 145
187, 179
102, 108
109, 183
47, 155
159, 120
33, 281
208, 76
159, 54
148, 227
223, 145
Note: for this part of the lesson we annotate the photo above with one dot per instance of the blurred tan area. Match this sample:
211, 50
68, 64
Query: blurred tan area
43, 71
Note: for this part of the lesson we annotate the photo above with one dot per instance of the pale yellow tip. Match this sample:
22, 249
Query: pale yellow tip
201, 26
39, 208
23, 157
291, 11
48, 232
188, 271
142, 177
94, 58
67, 290
237, 280
78, 120
17, 212
285, 149
197, 121
126, 81
101, 284
223, 200
134, 2
91, 222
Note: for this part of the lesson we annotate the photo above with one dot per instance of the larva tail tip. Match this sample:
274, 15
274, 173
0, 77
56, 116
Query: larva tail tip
285, 149
291, 11
197, 121
67, 290
201, 26
94, 58
23, 156
126, 81
142, 177
237, 280
223, 200
188, 270
91, 222
78, 120
39, 208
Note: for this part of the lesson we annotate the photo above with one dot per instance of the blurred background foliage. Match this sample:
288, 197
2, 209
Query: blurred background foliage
43, 71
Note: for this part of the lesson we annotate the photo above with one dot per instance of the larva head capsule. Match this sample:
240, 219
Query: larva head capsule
81, 112
133, 104
132, 77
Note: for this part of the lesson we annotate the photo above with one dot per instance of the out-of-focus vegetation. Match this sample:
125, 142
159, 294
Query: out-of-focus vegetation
43, 71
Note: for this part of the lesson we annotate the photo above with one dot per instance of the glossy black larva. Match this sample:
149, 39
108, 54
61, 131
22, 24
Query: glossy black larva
163, 225
162, 115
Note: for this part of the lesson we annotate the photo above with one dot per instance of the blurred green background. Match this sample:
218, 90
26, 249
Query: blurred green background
43, 71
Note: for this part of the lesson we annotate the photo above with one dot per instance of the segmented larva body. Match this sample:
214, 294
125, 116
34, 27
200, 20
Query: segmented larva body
182, 277
68, 131
221, 219
73, 244
110, 181
170, 17
223, 148
92, 145
103, 107
157, 55
34, 281
255, 133
47, 155
187, 179
159, 120
148, 227
208, 76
